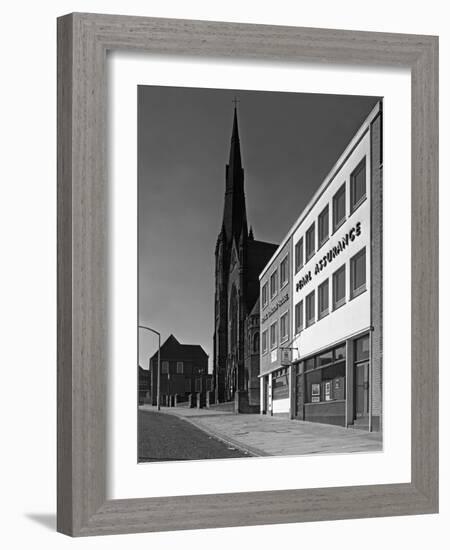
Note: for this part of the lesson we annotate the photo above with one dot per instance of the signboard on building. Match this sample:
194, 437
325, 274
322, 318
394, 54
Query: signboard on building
286, 357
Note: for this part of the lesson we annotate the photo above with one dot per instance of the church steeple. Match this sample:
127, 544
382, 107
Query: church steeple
235, 149
234, 214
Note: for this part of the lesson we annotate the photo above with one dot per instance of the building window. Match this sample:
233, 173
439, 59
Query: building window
284, 327
298, 317
264, 341
180, 367
325, 376
264, 297
362, 349
358, 274
339, 287
273, 336
339, 207
323, 226
323, 299
310, 242
256, 343
165, 367
284, 272
280, 384
299, 255
273, 284
310, 309
358, 185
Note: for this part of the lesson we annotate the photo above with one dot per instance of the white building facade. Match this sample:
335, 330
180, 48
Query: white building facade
334, 367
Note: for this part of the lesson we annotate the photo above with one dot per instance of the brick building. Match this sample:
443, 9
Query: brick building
184, 372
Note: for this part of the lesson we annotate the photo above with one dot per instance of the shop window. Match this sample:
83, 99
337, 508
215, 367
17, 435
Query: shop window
264, 295
264, 341
298, 317
362, 349
180, 367
358, 185
310, 363
325, 358
280, 384
284, 272
165, 367
273, 336
323, 299
310, 242
339, 207
339, 353
310, 309
284, 327
339, 287
299, 255
326, 384
273, 284
358, 274
323, 226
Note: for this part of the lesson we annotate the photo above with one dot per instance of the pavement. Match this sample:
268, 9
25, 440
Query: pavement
262, 435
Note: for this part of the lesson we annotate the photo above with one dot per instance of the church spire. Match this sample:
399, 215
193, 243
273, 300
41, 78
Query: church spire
234, 213
235, 149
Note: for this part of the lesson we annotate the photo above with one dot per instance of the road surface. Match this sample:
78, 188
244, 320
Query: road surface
166, 437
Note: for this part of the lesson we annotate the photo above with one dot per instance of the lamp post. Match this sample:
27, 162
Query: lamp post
158, 386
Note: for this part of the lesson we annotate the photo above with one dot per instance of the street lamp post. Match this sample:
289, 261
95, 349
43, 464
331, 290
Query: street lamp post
158, 384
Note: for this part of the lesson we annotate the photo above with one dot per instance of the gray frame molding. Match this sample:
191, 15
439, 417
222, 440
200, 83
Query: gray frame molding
83, 40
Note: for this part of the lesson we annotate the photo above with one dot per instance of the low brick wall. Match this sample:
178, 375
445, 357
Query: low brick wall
328, 412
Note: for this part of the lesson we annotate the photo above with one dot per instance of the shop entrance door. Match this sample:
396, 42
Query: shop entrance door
362, 393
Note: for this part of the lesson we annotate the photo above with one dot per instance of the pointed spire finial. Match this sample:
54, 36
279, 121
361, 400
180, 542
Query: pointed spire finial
250, 234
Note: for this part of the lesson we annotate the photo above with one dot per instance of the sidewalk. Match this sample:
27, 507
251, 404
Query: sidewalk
262, 435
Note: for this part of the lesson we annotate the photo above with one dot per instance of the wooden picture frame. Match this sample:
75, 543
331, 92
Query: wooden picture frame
83, 41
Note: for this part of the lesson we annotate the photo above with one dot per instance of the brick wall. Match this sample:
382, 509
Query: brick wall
377, 267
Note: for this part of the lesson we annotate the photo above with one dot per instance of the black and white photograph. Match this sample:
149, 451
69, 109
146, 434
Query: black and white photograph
260, 289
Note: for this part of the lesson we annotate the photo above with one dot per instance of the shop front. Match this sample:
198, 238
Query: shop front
333, 387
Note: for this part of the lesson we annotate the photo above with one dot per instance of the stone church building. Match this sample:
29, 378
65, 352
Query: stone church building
240, 259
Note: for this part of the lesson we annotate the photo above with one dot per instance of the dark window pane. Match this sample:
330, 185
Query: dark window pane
299, 317
310, 242
362, 348
310, 310
323, 299
339, 207
323, 226
299, 255
339, 287
358, 184
358, 272
325, 358
339, 353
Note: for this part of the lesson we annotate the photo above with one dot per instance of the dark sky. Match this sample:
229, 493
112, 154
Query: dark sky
289, 142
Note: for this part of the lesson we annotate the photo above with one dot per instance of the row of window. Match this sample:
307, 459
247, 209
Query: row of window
270, 335
357, 286
273, 281
165, 367
357, 196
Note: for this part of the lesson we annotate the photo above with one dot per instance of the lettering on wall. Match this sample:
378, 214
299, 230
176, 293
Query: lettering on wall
332, 253
274, 308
